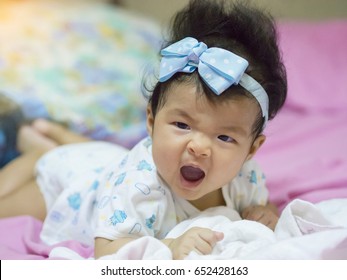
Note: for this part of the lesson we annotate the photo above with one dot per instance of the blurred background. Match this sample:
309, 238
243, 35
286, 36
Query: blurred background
284, 9
81, 62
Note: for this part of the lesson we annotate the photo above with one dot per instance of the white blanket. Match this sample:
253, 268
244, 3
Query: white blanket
304, 231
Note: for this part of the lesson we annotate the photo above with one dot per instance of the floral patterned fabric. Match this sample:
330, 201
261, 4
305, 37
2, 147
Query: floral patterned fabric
79, 63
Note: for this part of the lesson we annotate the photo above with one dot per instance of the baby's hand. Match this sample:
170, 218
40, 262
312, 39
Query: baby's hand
261, 214
200, 240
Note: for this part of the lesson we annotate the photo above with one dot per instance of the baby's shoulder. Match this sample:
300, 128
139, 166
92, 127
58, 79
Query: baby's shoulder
250, 174
249, 165
139, 157
135, 166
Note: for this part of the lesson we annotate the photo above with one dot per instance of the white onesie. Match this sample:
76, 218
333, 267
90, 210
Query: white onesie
98, 189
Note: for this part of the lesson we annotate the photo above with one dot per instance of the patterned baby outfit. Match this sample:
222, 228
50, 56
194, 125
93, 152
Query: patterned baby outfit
99, 189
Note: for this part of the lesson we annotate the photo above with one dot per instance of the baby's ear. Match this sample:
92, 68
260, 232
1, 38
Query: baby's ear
257, 143
150, 120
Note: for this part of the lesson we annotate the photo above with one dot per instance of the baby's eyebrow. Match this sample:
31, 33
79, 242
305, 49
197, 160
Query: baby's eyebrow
181, 113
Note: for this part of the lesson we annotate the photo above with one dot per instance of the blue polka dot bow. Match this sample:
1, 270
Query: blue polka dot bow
219, 68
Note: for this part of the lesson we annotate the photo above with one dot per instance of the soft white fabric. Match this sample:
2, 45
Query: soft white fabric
321, 233
304, 231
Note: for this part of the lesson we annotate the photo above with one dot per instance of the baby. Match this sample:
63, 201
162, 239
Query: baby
221, 79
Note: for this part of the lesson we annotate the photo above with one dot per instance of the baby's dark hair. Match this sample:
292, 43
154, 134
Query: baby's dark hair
241, 29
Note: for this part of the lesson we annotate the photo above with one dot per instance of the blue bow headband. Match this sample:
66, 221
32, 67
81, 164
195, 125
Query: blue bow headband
219, 68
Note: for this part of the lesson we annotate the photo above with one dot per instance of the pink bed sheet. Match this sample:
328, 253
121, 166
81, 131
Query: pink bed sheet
20, 240
305, 155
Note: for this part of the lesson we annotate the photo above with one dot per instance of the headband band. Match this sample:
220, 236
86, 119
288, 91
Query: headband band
218, 68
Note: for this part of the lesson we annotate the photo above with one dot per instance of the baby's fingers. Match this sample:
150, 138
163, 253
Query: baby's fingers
269, 220
252, 213
206, 241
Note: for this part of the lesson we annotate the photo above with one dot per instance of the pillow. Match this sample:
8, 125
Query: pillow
79, 63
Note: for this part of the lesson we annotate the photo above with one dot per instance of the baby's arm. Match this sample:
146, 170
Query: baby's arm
267, 215
201, 240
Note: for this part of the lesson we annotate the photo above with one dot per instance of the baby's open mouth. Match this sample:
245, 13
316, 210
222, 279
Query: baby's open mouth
192, 174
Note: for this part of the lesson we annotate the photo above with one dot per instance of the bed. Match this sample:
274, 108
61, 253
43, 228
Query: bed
83, 67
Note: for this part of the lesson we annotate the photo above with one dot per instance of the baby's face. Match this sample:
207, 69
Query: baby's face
198, 147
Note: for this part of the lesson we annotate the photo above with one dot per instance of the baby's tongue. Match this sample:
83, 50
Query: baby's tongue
191, 173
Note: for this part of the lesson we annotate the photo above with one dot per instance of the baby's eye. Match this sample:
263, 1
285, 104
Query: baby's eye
182, 125
226, 138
